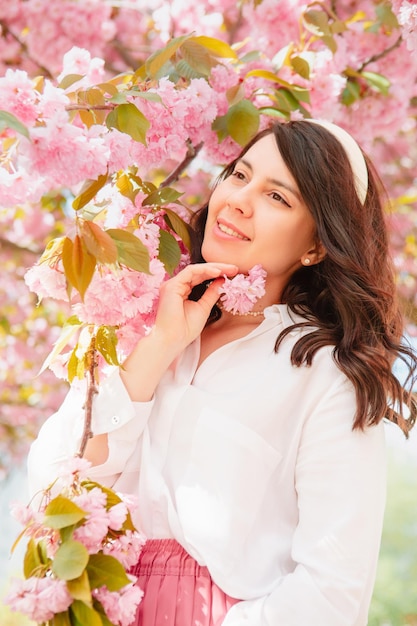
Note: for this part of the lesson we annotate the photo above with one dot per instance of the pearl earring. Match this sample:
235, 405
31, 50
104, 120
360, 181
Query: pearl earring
306, 261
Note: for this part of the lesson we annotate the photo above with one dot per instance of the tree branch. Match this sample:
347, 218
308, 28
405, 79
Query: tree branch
192, 152
6, 31
382, 54
6, 244
91, 391
91, 107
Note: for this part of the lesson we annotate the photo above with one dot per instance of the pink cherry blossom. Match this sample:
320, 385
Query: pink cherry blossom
18, 96
71, 468
120, 606
39, 598
240, 293
79, 61
117, 515
95, 528
47, 281
126, 548
130, 293
407, 17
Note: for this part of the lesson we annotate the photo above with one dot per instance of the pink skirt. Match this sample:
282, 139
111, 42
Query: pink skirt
177, 590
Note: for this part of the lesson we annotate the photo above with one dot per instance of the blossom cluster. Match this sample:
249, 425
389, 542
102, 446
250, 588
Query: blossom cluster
82, 544
240, 293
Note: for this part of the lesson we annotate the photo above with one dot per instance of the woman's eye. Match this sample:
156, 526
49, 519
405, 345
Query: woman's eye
276, 196
238, 175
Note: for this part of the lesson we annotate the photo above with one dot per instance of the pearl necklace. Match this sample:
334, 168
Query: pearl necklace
219, 303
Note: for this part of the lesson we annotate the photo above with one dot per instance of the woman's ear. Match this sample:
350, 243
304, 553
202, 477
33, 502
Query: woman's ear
315, 255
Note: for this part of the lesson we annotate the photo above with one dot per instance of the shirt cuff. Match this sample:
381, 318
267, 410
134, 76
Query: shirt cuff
113, 408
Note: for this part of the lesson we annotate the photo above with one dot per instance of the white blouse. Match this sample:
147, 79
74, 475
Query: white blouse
253, 466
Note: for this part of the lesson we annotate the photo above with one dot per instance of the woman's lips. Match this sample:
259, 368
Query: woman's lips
231, 231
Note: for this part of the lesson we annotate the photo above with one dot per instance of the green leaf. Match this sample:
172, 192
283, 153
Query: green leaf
317, 22
220, 127
217, 47
104, 619
385, 14
145, 95
185, 70
267, 75
351, 92
286, 100
197, 57
73, 366
67, 333
79, 588
62, 512
67, 532
69, 80
108, 88
82, 614
98, 242
8, 120
380, 82
60, 619
301, 66
31, 561
273, 112
103, 569
70, 560
163, 195
169, 251
124, 185
128, 119
132, 252
179, 227
242, 121
43, 552
106, 341
330, 42
83, 265
88, 192
159, 58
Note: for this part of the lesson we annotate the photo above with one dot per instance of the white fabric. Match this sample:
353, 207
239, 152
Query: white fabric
252, 465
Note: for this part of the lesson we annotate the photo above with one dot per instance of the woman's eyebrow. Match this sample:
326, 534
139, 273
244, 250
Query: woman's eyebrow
275, 181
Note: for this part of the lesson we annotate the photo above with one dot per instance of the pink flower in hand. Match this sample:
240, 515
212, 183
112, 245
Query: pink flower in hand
239, 294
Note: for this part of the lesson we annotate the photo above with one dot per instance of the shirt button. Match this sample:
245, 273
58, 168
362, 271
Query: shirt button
115, 419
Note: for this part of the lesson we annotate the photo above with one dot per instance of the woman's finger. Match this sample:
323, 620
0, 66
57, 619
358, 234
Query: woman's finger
197, 273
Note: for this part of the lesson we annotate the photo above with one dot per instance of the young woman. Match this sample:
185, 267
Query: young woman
255, 442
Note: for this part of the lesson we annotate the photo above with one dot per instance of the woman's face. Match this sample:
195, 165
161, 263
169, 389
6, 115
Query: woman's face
257, 215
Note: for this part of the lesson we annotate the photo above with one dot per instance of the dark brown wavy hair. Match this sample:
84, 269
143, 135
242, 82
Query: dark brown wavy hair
349, 298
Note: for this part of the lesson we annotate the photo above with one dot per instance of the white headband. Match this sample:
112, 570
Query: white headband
354, 154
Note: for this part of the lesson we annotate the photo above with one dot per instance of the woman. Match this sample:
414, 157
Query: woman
255, 442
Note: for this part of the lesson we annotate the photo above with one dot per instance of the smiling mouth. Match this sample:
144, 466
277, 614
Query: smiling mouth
231, 232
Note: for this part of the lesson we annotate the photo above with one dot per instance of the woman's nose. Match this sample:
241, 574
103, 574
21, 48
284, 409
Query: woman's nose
241, 200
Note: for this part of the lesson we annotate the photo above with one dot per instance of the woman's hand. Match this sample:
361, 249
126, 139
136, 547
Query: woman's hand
178, 322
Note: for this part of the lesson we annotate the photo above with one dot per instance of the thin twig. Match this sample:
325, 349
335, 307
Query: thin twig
91, 391
90, 107
7, 31
192, 152
6, 244
381, 55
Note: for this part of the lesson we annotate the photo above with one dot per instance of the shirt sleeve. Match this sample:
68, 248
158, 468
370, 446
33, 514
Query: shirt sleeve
340, 482
59, 437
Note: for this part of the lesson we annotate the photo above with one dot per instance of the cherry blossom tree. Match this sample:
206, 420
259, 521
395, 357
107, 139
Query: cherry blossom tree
114, 117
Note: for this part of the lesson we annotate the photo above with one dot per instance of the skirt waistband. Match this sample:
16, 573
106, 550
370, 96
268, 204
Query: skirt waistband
167, 557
